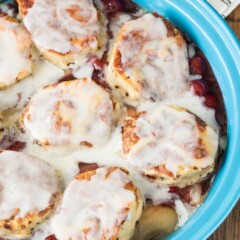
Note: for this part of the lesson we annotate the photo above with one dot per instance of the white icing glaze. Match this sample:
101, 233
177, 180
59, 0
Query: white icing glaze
184, 212
65, 159
158, 31
26, 183
169, 137
93, 206
151, 58
44, 73
43, 231
85, 71
75, 111
193, 103
191, 50
115, 26
195, 77
151, 190
15, 51
52, 26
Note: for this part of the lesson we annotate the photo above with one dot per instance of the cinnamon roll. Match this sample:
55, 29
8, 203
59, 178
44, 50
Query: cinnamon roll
64, 32
148, 61
99, 204
15, 51
29, 191
77, 112
170, 145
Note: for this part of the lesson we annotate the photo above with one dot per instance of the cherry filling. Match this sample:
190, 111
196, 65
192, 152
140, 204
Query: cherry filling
98, 75
85, 167
114, 6
97, 63
10, 143
67, 77
197, 65
190, 194
199, 87
16, 146
207, 86
211, 101
51, 237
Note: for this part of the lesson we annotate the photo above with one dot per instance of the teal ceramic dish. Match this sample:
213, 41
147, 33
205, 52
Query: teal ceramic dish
215, 38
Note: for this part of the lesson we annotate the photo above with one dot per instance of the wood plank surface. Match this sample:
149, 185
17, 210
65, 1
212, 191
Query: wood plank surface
230, 228
234, 21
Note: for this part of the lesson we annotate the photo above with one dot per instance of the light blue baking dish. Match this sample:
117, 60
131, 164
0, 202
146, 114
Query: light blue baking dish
222, 48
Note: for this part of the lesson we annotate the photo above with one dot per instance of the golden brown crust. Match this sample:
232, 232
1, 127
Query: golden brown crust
160, 173
155, 172
129, 137
173, 32
86, 175
8, 18
24, 227
24, 5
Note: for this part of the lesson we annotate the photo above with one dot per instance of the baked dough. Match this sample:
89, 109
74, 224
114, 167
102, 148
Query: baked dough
15, 51
99, 204
30, 189
170, 145
64, 32
77, 112
148, 61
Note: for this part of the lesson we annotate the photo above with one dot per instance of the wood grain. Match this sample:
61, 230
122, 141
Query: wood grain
234, 21
230, 228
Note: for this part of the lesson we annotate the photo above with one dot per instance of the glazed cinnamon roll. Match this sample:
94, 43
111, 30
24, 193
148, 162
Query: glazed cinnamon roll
64, 32
148, 61
29, 191
99, 204
16, 51
77, 112
170, 145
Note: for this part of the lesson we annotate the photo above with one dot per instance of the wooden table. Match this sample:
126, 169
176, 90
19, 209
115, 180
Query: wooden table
230, 228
